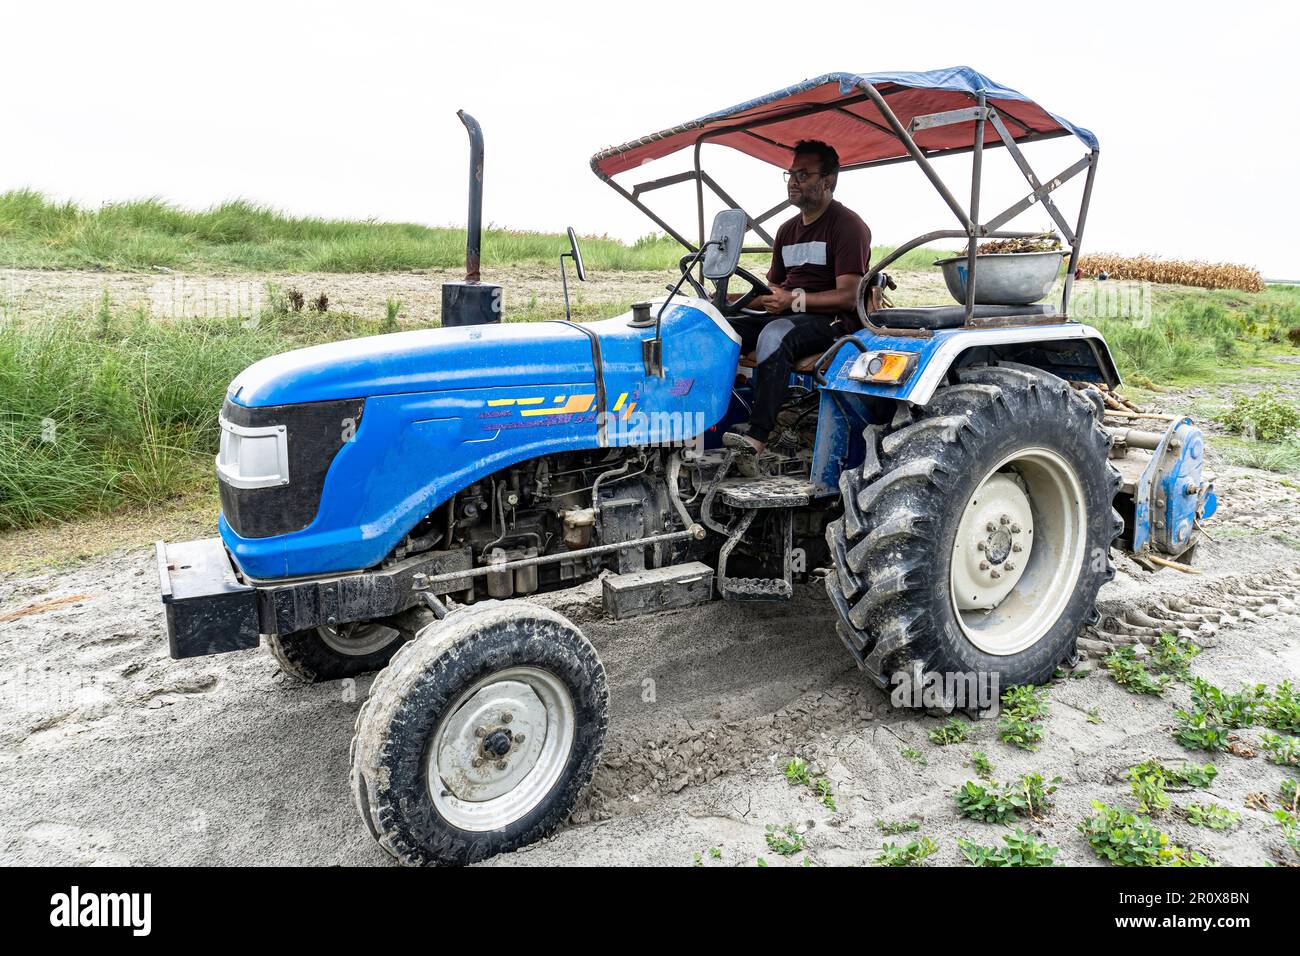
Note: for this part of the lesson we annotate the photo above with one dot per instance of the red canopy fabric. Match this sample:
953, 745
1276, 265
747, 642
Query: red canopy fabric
908, 94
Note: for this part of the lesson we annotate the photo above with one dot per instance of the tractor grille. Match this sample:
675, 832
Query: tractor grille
316, 431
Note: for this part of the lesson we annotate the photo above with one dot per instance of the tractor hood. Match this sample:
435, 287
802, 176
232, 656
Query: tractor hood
427, 360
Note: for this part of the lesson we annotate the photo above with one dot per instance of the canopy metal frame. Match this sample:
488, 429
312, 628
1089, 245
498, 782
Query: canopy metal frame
968, 218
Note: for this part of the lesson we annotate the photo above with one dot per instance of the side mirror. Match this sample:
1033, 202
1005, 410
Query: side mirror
728, 234
576, 253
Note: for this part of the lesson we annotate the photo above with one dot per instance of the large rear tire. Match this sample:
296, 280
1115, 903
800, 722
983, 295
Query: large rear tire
975, 538
480, 735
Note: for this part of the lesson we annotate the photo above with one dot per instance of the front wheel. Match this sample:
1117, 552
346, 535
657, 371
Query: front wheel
333, 653
976, 540
480, 736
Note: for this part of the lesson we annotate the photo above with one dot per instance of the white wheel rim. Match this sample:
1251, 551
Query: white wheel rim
357, 639
1028, 512
501, 748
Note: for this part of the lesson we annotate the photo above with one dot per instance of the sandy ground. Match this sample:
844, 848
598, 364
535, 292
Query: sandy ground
112, 753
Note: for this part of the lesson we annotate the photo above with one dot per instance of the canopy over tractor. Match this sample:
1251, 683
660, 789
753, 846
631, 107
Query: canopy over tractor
874, 119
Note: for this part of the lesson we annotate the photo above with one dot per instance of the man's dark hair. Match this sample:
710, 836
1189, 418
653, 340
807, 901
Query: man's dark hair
825, 153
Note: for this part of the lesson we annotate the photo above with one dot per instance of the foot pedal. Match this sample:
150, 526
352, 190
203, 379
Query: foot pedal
658, 589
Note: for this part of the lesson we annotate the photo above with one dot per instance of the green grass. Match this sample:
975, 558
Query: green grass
240, 236
1203, 335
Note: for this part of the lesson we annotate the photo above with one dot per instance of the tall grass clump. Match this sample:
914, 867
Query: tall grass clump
106, 408
1190, 336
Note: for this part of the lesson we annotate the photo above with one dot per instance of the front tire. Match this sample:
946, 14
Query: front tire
975, 539
333, 653
480, 736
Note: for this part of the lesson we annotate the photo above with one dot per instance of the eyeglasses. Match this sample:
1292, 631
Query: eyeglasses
798, 175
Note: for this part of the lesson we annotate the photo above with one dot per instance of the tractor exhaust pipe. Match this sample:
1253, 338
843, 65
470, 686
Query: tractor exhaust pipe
474, 232
472, 302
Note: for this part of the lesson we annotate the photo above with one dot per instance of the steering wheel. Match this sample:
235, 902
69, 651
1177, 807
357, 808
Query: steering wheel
757, 287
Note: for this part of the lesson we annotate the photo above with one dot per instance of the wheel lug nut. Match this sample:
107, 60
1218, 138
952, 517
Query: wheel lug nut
991, 527
478, 761
507, 717
1004, 520
1008, 566
1016, 547
980, 545
518, 739
995, 573
1015, 529
480, 731
501, 765
984, 565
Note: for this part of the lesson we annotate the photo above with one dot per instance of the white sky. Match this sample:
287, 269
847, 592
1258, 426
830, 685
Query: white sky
348, 109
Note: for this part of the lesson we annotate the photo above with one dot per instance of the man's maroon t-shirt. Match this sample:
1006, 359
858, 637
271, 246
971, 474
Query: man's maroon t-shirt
809, 257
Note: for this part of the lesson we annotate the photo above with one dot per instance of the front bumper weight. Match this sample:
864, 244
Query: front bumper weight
209, 611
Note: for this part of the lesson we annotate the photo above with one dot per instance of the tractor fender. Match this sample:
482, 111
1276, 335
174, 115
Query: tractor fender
1070, 350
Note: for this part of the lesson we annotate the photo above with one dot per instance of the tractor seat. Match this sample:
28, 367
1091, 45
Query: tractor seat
951, 316
804, 366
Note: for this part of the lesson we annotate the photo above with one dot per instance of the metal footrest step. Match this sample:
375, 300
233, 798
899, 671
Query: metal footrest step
781, 491
756, 589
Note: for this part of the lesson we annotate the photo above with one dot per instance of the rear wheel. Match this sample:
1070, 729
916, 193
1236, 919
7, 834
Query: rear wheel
975, 539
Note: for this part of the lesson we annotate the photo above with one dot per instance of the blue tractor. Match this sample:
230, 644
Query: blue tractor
959, 474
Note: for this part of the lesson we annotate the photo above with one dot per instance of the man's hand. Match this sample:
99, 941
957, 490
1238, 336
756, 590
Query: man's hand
779, 301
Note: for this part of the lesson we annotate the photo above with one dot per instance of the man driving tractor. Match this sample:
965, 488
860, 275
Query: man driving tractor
818, 258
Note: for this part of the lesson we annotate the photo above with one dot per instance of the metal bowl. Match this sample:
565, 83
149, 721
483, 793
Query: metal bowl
1004, 278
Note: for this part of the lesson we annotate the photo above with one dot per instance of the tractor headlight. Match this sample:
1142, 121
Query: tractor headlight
883, 368
253, 457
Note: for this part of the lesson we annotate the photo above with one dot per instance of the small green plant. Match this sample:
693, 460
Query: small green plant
955, 731
715, 853
1233, 711
1023, 706
1021, 850
1132, 674
1281, 709
104, 315
914, 755
1093, 715
909, 854
1149, 789
824, 795
1173, 655
785, 840
1196, 730
983, 766
1025, 701
1283, 751
391, 308
697, 859
797, 774
1126, 839
1186, 775
1029, 796
1290, 823
1019, 732
1262, 417
895, 827
1210, 815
